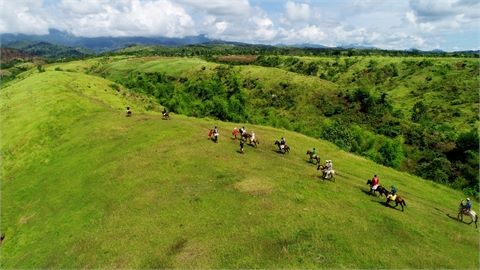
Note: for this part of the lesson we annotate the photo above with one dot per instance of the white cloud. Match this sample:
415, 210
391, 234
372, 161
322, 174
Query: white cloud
297, 11
23, 16
125, 18
387, 24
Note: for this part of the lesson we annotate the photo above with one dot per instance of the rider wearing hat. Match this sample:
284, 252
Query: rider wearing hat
393, 193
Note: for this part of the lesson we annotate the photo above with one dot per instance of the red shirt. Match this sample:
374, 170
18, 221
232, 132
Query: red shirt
375, 181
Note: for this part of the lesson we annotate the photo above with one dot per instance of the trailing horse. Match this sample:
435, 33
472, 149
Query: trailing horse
285, 149
381, 190
165, 116
398, 201
463, 211
310, 154
325, 173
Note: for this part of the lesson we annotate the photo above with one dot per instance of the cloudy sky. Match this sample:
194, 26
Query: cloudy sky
390, 24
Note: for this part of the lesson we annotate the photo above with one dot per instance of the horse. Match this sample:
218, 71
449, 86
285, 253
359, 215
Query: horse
462, 211
381, 190
165, 116
325, 174
398, 200
285, 149
249, 136
310, 154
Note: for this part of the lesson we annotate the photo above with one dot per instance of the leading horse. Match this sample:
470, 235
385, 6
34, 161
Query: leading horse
463, 211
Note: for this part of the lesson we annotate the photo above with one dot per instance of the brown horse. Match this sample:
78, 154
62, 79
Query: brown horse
398, 201
381, 190
248, 136
285, 149
310, 154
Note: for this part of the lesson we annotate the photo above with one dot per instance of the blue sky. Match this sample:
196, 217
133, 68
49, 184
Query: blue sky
389, 24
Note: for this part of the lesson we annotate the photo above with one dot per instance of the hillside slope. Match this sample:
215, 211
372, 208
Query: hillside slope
84, 186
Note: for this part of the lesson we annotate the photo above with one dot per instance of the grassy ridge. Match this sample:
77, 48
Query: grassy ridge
84, 186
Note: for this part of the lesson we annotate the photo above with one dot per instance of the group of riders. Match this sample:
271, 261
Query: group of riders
375, 183
327, 169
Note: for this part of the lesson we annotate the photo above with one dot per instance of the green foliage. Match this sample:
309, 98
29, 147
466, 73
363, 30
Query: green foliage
400, 112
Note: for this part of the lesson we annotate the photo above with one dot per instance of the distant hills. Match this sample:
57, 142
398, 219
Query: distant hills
99, 44
62, 45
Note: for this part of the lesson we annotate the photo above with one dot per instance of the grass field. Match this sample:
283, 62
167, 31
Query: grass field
83, 186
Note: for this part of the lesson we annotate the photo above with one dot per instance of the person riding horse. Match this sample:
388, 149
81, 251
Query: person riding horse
467, 207
375, 183
128, 112
283, 142
235, 132
242, 131
393, 193
215, 134
313, 155
165, 113
328, 168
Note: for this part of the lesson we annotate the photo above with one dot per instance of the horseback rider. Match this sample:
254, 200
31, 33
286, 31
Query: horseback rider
235, 132
468, 206
283, 142
314, 154
375, 183
128, 112
215, 134
252, 139
242, 130
393, 193
328, 168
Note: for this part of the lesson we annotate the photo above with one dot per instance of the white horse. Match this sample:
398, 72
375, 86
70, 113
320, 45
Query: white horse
326, 173
462, 211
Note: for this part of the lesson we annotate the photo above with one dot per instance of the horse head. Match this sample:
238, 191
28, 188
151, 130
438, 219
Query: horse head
369, 182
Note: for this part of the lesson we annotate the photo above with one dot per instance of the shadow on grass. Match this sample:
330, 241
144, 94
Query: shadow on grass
325, 179
240, 152
388, 205
454, 218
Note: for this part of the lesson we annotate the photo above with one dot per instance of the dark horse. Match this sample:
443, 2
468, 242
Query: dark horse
381, 190
398, 200
286, 148
248, 136
165, 116
310, 154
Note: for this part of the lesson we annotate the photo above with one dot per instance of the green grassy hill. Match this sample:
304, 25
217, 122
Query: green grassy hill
83, 186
